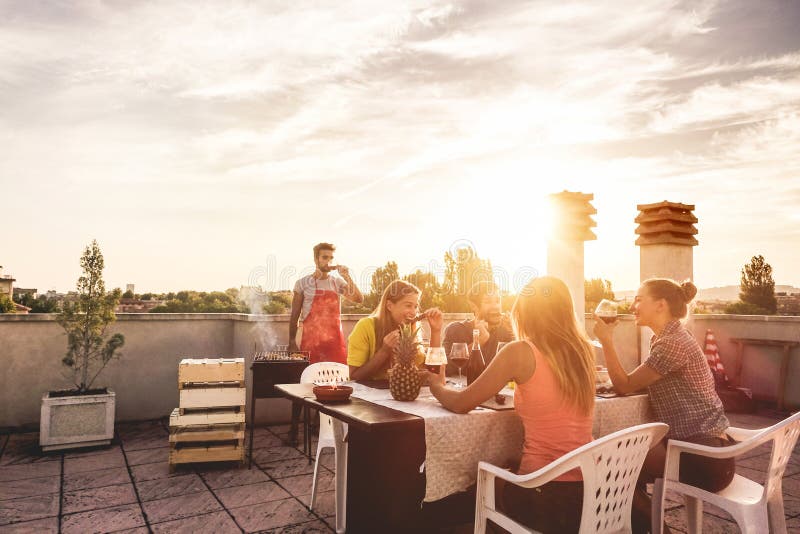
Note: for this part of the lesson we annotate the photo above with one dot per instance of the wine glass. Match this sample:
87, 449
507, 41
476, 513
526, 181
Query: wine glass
435, 358
459, 355
606, 311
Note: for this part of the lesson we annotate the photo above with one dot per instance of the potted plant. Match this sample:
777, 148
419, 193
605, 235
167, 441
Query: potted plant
82, 416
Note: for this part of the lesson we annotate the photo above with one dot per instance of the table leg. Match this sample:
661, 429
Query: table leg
306, 432
252, 428
296, 408
783, 376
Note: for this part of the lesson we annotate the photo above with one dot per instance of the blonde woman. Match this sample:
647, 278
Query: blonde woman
370, 345
553, 366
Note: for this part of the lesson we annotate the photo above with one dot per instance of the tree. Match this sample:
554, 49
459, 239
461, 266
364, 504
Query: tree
757, 286
430, 287
201, 302
40, 304
128, 294
6, 304
463, 270
596, 290
381, 278
85, 320
745, 308
278, 302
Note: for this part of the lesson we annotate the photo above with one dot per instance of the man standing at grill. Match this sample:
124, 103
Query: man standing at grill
317, 304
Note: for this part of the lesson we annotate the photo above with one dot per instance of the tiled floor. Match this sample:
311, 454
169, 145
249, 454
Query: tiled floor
128, 488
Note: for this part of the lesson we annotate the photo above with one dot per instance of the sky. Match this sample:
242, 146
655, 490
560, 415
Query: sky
208, 145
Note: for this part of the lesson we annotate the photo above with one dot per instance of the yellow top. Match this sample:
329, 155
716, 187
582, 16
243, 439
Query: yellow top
361, 346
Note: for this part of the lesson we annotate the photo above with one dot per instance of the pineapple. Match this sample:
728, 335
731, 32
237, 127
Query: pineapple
404, 381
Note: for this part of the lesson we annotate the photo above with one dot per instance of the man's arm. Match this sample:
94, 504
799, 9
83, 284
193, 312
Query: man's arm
297, 307
351, 291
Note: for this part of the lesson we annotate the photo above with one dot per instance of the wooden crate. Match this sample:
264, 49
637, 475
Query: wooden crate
213, 397
210, 416
210, 370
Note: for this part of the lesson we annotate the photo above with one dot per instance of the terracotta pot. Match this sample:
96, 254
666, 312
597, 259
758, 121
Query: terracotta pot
331, 394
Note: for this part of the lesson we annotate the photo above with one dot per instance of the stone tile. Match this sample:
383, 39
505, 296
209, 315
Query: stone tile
238, 496
793, 524
148, 456
141, 429
275, 514
315, 527
326, 504
105, 520
288, 468
224, 477
94, 462
216, 522
25, 449
96, 479
145, 442
92, 451
40, 526
163, 488
29, 487
676, 519
146, 472
138, 530
180, 507
28, 509
791, 485
95, 498
753, 474
266, 440
328, 460
301, 486
21, 472
274, 454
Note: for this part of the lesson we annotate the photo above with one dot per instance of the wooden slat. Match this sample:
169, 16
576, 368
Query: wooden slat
207, 417
215, 453
188, 434
212, 397
208, 385
211, 370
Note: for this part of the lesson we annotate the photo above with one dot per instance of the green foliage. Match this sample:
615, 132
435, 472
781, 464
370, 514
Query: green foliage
200, 302
596, 290
381, 278
431, 289
279, 302
745, 308
462, 271
758, 287
40, 304
6, 304
89, 348
128, 294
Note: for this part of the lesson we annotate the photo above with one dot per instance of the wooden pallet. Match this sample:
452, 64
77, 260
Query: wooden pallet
192, 370
214, 397
206, 452
210, 416
203, 433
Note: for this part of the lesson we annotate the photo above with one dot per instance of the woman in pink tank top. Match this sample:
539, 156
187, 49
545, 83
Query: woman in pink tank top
553, 366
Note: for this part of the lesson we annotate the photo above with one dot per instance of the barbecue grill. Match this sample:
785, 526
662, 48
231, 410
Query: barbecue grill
279, 366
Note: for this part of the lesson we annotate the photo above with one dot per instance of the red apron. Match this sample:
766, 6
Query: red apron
322, 328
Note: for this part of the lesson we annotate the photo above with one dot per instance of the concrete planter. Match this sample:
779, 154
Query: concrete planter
77, 421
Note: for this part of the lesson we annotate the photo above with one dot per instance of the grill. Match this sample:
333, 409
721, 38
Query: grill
272, 367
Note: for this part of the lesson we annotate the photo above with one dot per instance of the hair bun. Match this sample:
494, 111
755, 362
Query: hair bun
689, 290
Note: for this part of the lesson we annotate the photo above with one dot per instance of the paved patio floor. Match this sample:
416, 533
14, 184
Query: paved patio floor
127, 487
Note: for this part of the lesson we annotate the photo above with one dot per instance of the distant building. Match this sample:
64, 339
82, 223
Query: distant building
6, 284
136, 305
788, 303
130, 287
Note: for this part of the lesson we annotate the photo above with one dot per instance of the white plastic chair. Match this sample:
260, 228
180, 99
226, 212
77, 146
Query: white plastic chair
332, 433
610, 467
755, 508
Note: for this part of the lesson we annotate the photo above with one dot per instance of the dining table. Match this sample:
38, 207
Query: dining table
412, 465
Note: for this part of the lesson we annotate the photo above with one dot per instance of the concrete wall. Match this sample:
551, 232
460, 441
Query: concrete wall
145, 379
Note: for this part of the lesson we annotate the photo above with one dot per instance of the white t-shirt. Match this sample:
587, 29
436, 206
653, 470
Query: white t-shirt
306, 287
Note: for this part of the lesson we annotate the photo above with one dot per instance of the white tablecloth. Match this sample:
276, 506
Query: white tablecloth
455, 443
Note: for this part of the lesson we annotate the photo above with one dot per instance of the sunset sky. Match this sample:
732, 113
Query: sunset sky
208, 145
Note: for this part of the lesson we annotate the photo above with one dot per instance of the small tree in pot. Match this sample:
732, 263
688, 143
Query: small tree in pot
82, 416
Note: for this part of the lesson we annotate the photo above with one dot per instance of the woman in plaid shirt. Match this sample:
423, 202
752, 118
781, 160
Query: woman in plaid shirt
680, 386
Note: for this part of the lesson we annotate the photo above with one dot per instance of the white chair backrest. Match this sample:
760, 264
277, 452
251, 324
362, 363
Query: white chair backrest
325, 372
785, 435
610, 467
